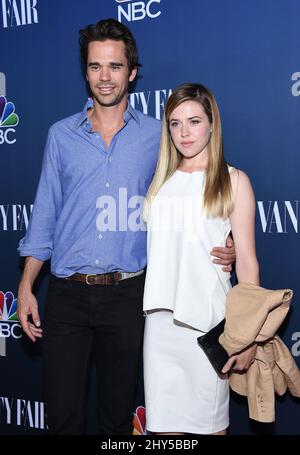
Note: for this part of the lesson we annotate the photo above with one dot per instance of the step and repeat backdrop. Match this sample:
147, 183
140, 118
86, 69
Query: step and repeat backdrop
246, 52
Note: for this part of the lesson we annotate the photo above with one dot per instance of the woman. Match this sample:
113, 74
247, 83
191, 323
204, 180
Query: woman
194, 201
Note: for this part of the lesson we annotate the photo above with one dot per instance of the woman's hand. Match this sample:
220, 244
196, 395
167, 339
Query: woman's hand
241, 361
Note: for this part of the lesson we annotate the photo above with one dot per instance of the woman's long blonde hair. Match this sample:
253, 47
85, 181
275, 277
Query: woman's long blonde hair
218, 198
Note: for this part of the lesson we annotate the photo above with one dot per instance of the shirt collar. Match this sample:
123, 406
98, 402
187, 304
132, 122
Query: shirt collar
130, 112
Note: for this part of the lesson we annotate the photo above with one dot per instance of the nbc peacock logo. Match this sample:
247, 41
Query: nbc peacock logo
139, 421
8, 117
8, 120
9, 325
8, 306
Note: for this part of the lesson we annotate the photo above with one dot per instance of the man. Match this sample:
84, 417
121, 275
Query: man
97, 166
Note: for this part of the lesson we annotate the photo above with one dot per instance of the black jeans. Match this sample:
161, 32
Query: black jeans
83, 322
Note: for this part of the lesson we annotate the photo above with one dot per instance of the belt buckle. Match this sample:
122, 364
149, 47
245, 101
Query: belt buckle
87, 278
117, 277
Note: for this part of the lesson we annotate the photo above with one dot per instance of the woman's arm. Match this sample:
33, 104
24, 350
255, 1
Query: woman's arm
242, 222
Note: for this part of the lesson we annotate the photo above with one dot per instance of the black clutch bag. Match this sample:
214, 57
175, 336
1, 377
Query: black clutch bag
210, 344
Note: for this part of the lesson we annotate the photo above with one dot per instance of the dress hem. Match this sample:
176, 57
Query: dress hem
162, 429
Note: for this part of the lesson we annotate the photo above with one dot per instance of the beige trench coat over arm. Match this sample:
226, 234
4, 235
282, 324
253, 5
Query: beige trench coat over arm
254, 314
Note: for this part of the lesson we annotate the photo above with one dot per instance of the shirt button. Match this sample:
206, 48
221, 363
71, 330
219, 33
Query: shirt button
110, 159
97, 262
100, 236
107, 184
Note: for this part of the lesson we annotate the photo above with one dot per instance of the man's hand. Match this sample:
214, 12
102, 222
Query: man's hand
241, 361
27, 305
224, 255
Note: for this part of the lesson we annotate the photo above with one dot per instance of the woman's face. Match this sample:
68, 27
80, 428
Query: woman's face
190, 129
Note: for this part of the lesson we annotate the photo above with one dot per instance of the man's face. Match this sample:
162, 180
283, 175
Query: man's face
107, 72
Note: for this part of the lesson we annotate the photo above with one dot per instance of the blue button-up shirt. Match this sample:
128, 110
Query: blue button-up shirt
87, 211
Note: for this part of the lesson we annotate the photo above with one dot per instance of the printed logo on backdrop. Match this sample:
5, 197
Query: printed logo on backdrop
16, 13
296, 346
31, 414
8, 120
2, 84
131, 10
295, 89
9, 325
139, 421
150, 102
22, 413
279, 217
14, 217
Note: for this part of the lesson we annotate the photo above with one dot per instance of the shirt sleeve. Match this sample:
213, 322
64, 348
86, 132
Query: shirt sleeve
39, 239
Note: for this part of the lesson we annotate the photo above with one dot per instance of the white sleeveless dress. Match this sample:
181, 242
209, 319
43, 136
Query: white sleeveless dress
185, 295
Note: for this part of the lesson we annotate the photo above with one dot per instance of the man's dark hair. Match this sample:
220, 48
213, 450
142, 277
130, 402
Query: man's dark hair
109, 29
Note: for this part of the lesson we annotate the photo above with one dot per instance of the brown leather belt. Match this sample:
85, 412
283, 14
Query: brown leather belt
103, 278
